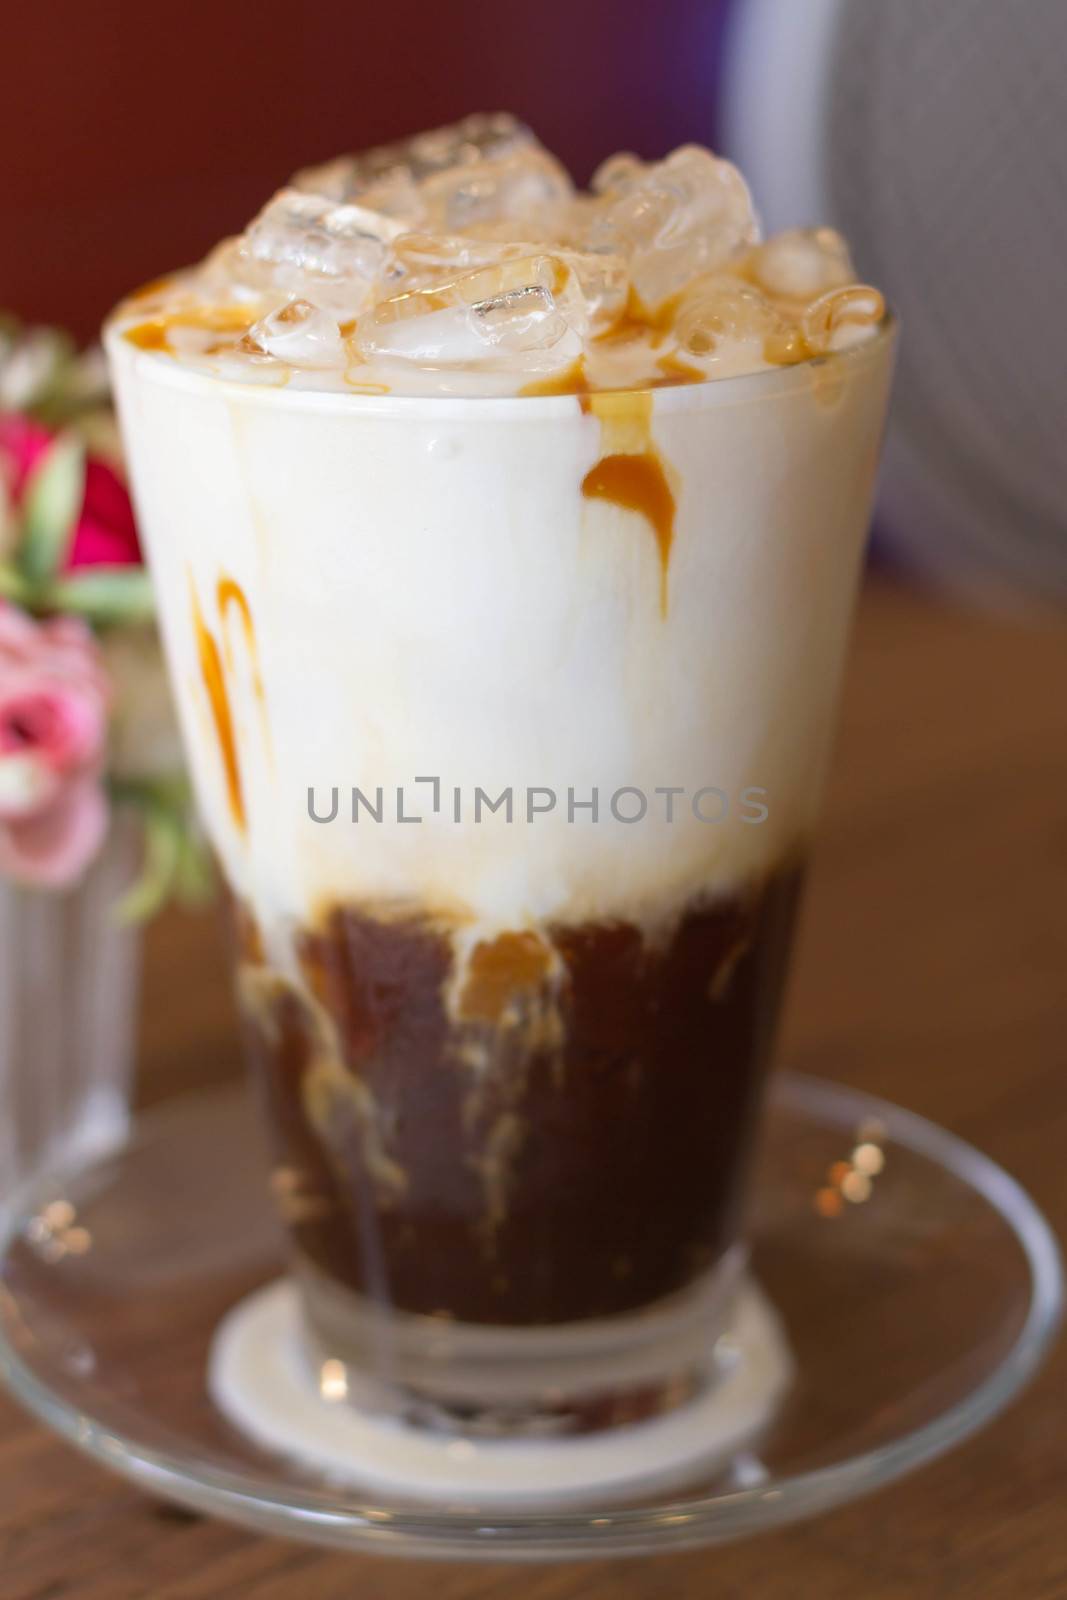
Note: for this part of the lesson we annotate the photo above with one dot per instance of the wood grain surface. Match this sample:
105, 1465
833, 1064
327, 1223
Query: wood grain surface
932, 969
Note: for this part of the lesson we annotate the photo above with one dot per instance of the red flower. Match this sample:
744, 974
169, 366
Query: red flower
54, 698
105, 533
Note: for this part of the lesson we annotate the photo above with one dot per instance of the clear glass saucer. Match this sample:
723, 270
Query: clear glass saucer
918, 1285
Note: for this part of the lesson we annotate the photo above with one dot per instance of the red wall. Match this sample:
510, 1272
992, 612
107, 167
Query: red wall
132, 136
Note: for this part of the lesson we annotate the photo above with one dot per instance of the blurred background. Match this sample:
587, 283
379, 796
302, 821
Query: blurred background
132, 138
160, 131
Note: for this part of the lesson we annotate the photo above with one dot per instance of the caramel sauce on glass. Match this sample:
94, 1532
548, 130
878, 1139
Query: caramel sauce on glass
154, 333
631, 473
214, 680
228, 593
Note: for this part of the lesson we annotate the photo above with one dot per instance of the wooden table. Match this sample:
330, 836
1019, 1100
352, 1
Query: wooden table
932, 969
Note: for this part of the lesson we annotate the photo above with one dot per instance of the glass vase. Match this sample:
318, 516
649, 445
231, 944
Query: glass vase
69, 975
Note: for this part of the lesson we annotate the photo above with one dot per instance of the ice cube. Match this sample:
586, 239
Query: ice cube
419, 260
482, 136
220, 278
506, 272
595, 293
513, 322
673, 220
338, 180
616, 172
395, 194
719, 310
604, 283
842, 318
500, 313
308, 247
527, 186
803, 263
301, 334
394, 191
544, 233
519, 319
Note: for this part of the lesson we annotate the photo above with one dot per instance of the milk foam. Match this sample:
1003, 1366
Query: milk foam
392, 588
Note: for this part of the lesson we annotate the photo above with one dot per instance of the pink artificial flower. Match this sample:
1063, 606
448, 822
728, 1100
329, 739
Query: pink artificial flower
105, 533
54, 695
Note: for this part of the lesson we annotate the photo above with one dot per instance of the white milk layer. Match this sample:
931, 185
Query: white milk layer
400, 588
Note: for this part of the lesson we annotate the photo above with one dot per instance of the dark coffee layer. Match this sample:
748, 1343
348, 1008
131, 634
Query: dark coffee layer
562, 1142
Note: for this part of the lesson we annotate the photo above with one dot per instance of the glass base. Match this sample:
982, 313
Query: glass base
262, 1379
917, 1285
539, 1382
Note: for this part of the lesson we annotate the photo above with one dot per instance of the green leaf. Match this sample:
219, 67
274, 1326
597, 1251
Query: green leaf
50, 508
13, 585
162, 854
194, 878
104, 594
170, 790
177, 861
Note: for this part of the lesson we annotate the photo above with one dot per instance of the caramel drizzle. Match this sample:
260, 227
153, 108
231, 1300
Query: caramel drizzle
631, 474
150, 335
154, 333
671, 372
568, 380
500, 969
674, 370
229, 593
214, 680
636, 320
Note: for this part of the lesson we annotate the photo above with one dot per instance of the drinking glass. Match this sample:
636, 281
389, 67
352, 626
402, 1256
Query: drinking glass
508, 718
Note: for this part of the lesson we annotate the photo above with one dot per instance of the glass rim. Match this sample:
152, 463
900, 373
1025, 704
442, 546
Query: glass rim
710, 392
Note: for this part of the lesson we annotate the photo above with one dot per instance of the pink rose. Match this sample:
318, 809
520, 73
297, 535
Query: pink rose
54, 696
105, 533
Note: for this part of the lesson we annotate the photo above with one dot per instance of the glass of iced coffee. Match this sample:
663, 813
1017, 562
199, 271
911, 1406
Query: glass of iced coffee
505, 540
